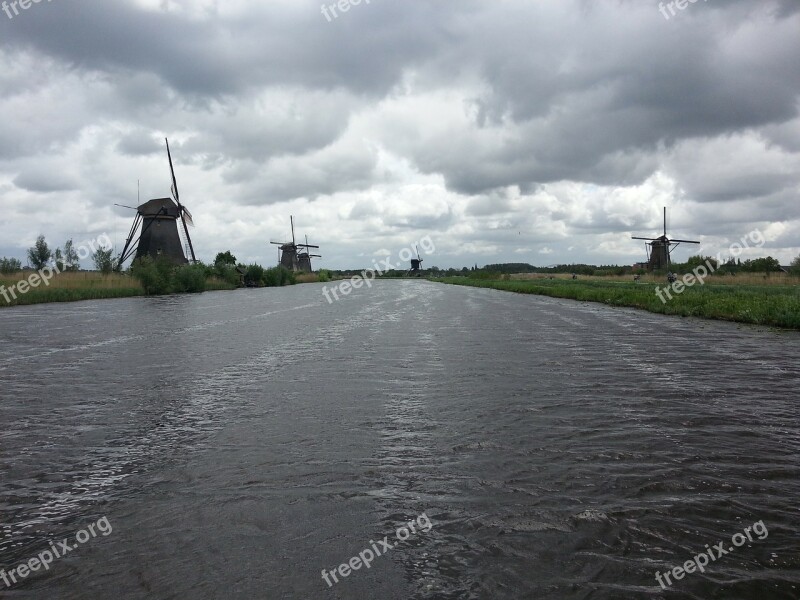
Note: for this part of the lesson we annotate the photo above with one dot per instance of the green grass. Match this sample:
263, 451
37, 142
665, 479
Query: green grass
84, 285
772, 305
41, 296
215, 284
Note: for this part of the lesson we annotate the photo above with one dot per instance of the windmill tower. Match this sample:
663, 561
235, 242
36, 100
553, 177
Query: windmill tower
304, 258
416, 263
659, 250
159, 234
289, 257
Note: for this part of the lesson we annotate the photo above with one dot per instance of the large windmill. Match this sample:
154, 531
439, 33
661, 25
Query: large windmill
289, 257
159, 234
304, 258
659, 249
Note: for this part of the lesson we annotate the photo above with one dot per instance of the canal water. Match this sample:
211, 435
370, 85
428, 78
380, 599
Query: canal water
478, 444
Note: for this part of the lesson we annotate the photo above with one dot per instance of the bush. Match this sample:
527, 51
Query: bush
287, 277
9, 265
323, 275
254, 276
226, 273
154, 275
279, 276
162, 276
189, 279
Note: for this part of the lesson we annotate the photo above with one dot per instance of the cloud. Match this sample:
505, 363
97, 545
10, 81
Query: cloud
504, 130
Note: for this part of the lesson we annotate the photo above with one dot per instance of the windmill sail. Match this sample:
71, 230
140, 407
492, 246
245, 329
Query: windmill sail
181, 209
187, 216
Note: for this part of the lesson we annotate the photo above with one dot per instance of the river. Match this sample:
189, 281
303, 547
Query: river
236, 444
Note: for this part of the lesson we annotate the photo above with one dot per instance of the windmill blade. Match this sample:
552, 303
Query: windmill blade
685, 241
187, 216
174, 188
417, 249
644, 238
125, 206
178, 202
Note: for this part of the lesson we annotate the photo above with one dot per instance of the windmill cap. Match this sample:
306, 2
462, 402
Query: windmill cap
159, 206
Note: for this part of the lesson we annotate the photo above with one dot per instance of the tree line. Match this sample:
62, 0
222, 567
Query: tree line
40, 255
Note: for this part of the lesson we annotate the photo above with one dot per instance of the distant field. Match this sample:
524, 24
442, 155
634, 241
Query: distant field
776, 303
757, 279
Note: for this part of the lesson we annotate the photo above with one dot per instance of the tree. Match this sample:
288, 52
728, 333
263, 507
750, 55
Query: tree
225, 258
795, 268
9, 265
71, 259
103, 260
696, 261
58, 258
39, 254
762, 265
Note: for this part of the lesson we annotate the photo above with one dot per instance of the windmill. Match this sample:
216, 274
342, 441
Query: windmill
415, 264
159, 234
659, 249
304, 258
288, 256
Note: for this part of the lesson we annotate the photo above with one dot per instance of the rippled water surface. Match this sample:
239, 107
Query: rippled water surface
239, 443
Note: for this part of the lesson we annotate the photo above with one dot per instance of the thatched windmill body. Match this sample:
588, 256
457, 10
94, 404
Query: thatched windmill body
156, 224
659, 250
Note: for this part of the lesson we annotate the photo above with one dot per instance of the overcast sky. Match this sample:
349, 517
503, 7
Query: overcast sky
507, 131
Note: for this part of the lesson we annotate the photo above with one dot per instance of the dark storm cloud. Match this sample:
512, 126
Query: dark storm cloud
217, 53
602, 85
579, 86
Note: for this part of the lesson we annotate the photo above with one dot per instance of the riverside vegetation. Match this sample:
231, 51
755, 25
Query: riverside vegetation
775, 303
145, 277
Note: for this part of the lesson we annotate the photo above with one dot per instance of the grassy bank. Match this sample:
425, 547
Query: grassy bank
773, 305
70, 287
92, 285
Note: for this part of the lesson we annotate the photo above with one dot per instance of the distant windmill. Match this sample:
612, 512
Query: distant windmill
304, 258
659, 249
159, 235
288, 252
416, 263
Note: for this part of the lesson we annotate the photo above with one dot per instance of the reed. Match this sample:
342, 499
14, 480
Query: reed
77, 280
